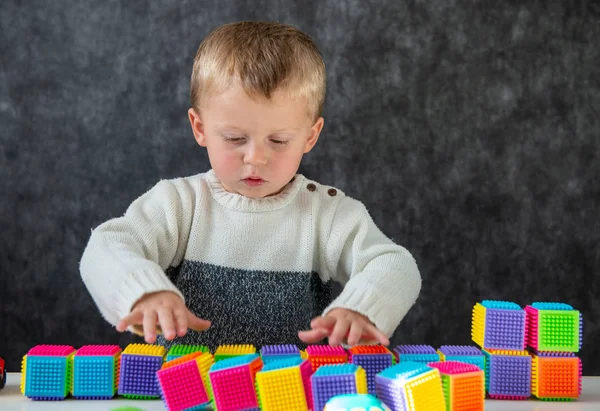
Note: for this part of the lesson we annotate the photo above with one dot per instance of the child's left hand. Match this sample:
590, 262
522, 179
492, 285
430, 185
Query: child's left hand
342, 325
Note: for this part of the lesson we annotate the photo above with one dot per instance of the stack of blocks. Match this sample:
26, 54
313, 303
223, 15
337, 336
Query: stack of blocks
46, 372
411, 386
139, 364
184, 381
96, 372
554, 336
270, 353
462, 353
416, 353
319, 355
285, 385
336, 379
233, 382
180, 350
463, 385
499, 328
374, 359
224, 352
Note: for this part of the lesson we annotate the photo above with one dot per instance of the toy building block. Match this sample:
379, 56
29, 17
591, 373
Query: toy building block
179, 350
507, 374
556, 376
554, 327
373, 358
139, 364
233, 382
184, 383
224, 352
411, 386
416, 353
336, 379
47, 372
2, 373
463, 384
96, 372
270, 353
499, 325
463, 353
285, 385
319, 355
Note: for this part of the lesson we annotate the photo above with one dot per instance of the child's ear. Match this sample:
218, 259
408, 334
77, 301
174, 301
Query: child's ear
197, 127
315, 131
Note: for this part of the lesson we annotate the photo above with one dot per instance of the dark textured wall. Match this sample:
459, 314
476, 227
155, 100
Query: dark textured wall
469, 128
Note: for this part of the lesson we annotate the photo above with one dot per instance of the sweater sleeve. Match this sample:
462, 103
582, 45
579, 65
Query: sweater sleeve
381, 279
126, 257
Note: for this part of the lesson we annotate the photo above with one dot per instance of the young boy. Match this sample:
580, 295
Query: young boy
245, 253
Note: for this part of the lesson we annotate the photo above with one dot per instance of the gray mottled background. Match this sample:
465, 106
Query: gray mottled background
469, 128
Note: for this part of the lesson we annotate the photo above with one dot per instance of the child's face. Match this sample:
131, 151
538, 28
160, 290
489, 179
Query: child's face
254, 145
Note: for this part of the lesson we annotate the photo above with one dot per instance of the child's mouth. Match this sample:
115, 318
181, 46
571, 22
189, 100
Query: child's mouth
253, 181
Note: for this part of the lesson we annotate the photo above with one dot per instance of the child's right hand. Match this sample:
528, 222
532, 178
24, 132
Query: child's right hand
166, 309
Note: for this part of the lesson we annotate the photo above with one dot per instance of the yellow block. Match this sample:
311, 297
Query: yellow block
478, 325
146, 349
281, 389
424, 392
361, 381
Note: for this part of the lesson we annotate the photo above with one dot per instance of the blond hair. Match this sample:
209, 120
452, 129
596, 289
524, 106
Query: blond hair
263, 58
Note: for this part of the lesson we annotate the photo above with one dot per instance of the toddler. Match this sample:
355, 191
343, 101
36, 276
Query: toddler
246, 252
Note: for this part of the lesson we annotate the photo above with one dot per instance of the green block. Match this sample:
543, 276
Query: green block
558, 330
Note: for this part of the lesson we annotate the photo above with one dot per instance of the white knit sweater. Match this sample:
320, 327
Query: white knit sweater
259, 269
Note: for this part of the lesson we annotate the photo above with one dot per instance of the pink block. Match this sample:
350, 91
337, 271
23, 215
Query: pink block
233, 388
52, 350
454, 367
182, 386
306, 372
325, 350
532, 326
110, 350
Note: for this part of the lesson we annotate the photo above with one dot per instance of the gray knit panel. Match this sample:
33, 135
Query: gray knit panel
248, 307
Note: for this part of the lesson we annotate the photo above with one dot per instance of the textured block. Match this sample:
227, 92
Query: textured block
285, 385
224, 352
319, 355
373, 358
508, 374
96, 372
183, 382
463, 353
463, 384
336, 379
411, 386
233, 382
416, 353
270, 353
499, 325
47, 372
139, 364
556, 377
179, 350
554, 327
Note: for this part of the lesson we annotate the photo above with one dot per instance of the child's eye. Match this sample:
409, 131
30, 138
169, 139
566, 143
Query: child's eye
280, 142
234, 139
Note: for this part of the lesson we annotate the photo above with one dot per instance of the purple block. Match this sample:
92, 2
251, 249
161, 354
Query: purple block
41, 398
509, 376
138, 375
553, 353
390, 392
373, 364
284, 349
415, 349
504, 329
326, 387
93, 397
459, 350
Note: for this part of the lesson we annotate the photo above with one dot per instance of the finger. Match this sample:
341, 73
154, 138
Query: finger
167, 325
356, 331
313, 336
339, 332
181, 322
150, 326
197, 324
374, 333
323, 322
130, 319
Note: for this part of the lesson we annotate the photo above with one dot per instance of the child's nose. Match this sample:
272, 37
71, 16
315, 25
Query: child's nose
256, 156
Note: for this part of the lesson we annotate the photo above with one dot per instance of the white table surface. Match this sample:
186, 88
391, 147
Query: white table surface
11, 399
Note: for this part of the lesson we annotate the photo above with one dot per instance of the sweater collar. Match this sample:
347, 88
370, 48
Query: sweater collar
242, 203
